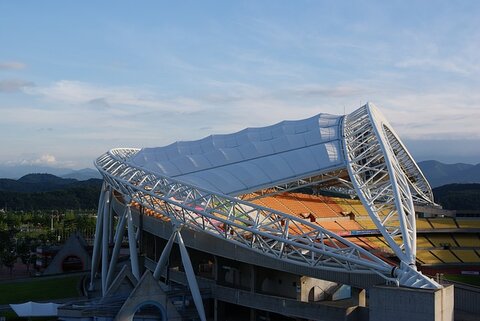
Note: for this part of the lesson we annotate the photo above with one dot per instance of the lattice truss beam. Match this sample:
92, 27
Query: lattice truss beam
381, 171
333, 179
386, 180
261, 229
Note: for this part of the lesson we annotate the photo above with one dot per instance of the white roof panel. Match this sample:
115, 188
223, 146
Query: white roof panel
251, 159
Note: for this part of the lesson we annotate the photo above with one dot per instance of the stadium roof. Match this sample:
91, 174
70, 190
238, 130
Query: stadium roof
195, 184
252, 158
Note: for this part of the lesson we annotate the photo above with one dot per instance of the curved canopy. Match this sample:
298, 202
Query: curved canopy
252, 158
195, 184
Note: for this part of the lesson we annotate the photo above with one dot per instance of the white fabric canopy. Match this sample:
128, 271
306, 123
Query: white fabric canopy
251, 159
34, 309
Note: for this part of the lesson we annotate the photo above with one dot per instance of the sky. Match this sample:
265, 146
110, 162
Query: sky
78, 78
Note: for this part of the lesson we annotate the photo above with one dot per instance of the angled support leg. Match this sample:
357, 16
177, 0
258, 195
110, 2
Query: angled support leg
164, 257
132, 244
118, 244
105, 227
192, 281
98, 237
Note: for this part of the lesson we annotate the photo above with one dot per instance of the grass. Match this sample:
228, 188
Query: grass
467, 279
40, 289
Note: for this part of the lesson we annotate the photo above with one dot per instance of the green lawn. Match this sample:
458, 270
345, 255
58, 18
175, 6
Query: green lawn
467, 279
40, 289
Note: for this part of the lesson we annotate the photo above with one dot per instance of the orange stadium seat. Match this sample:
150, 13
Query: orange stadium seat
363, 242
330, 225
316, 205
349, 225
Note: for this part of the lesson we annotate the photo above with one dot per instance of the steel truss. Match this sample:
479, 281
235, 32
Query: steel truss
385, 177
381, 171
330, 178
261, 229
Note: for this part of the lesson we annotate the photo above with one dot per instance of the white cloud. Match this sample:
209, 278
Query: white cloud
14, 85
45, 159
32, 159
446, 65
81, 93
12, 65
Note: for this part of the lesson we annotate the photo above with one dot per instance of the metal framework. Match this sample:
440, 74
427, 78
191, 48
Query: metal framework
380, 169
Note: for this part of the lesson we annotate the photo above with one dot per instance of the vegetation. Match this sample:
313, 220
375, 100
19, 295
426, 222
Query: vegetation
48, 192
40, 289
466, 279
22, 232
458, 196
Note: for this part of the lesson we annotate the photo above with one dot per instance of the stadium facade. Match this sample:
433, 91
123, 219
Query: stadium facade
197, 215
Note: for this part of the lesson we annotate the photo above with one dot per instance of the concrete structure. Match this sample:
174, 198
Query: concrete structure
191, 218
147, 292
72, 256
405, 304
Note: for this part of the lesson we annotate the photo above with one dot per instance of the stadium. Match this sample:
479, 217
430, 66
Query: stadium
315, 219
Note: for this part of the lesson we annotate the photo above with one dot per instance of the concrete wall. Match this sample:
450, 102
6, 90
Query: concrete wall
407, 304
467, 299
74, 246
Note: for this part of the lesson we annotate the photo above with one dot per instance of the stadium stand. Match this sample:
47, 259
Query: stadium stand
441, 240
423, 242
367, 223
470, 224
467, 256
439, 223
426, 257
445, 256
467, 240
423, 224
349, 225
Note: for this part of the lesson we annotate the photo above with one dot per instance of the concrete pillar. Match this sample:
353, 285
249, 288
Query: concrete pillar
219, 313
407, 304
359, 296
253, 278
253, 314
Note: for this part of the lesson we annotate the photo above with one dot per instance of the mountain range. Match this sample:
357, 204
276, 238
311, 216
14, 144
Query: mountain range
17, 171
48, 192
439, 174
33, 183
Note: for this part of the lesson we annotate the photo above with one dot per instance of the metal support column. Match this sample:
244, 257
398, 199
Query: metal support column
106, 225
98, 229
132, 244
118, 244
164, 256
192, 281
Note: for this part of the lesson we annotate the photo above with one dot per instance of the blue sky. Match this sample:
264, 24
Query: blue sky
79, 78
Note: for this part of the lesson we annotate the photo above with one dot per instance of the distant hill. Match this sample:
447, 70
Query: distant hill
48, 192
39, 183
458, 196
439, 174
17, 171
83, 174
